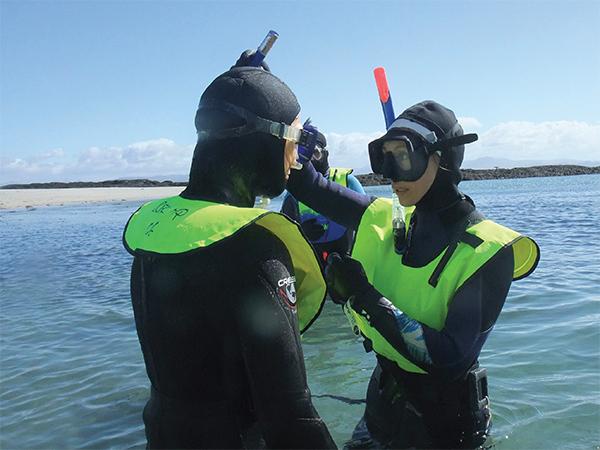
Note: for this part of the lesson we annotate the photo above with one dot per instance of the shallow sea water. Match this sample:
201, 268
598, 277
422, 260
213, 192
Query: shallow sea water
72, 374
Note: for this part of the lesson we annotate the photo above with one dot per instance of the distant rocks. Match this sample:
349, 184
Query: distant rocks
370, 179
88, 184
526, 172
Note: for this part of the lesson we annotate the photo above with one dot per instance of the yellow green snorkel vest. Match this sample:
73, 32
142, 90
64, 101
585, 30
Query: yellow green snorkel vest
177, 225
424, 293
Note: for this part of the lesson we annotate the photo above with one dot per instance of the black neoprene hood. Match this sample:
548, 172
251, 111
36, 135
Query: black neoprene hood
249, 164
254, 89
443, 123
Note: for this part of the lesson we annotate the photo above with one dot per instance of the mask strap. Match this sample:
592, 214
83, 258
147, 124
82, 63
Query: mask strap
457, 140
429, 136
254, 123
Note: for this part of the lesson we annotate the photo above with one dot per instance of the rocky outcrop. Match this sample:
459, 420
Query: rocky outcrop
370, 179
525, 172
88, 184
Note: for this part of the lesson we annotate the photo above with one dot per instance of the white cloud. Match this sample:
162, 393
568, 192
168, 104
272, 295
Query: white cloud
147, 158
50, 154
518, 141
161, 155
539, 141
350, 150
469, 124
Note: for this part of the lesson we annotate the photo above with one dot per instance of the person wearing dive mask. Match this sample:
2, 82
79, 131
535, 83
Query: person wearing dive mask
325, 235
424, 299
220, 290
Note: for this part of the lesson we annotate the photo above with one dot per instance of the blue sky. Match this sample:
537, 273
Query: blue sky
105, 89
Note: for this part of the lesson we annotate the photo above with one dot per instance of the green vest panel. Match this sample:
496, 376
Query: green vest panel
409, 289
177, 225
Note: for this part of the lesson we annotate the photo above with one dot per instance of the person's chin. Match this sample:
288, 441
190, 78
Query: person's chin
406, 200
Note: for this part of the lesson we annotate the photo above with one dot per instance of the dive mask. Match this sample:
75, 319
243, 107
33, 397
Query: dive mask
402, 154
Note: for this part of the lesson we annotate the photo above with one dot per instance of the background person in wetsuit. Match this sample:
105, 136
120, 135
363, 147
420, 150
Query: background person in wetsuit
427, 299
325, 235
218, 287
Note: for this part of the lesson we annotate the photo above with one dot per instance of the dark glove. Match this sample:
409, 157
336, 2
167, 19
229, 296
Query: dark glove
246, 57
345, 277
313, 229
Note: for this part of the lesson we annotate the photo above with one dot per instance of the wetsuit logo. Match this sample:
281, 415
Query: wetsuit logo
287, 290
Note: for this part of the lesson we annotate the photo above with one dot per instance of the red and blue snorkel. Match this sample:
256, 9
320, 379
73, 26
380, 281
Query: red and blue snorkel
384, 96
398, 225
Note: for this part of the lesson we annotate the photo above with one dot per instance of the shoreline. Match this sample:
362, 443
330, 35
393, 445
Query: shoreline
369, 179
34, 195
16, 199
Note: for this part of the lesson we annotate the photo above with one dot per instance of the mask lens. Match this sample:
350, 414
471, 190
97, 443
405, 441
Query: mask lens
401, 161
400, 152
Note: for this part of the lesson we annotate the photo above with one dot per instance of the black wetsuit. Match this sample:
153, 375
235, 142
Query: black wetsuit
222, 348
426, 411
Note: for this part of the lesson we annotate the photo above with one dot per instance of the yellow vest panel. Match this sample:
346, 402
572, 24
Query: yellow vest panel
408, 288
177, 225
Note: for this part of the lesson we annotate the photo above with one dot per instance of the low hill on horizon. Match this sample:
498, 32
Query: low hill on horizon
498, 173
370, 179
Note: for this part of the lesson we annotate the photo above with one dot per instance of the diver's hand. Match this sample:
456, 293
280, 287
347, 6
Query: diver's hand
246, 57
313, 229
345, 277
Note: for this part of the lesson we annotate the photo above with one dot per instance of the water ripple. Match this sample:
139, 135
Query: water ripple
72, 375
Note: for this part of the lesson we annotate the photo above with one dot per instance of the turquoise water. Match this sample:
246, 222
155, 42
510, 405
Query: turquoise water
72, 375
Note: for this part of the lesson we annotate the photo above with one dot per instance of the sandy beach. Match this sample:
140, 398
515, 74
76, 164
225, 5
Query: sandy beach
34, 198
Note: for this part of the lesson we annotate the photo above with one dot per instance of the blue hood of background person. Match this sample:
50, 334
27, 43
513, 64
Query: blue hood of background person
333, 230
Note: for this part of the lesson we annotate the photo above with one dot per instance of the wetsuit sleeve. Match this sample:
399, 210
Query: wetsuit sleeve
354, 184
289, 207
273, 358
330, 199
472, 313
